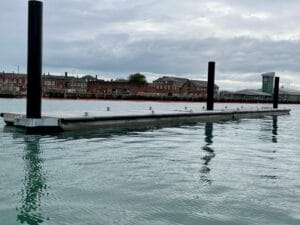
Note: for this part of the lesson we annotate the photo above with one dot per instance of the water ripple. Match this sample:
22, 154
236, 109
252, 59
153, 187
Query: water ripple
234, 172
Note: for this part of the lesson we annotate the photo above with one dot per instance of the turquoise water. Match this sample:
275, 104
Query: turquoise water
236, 172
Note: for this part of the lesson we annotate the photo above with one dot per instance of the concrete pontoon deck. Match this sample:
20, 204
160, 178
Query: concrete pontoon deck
89, 120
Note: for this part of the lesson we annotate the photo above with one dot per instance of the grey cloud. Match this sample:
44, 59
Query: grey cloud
112, 36
243, 55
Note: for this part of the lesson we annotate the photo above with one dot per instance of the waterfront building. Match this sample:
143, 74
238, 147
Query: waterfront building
175, 86
169, 86
12, 84
54, 86
289, 95
89, 86
196, 88
101, 88
268, 82
88, 78
245, 95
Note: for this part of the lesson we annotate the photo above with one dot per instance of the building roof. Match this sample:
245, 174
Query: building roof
252, 92
89, 77
56, 77
121, 80
201, 83
175, 79
269, 74
284, 91
12, 74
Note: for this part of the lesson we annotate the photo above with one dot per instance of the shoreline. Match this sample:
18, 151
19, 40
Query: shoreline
158, 99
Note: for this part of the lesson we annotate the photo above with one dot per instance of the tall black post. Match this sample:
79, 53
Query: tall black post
34, 59
276, 93
210, 86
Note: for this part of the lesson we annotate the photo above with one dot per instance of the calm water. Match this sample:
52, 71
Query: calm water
235, 172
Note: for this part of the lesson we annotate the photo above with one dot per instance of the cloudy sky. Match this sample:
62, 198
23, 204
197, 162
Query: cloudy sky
113, 38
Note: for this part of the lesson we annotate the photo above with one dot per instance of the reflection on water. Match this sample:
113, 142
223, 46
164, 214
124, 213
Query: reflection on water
209, 153
275, 129
34, 184
102, 132
269, 129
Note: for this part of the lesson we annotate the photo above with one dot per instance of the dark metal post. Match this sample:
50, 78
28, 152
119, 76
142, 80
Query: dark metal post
210, 86
34, 60
276, 93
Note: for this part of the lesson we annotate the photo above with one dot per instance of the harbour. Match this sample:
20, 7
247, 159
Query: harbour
87, 120
243, 171
147, 162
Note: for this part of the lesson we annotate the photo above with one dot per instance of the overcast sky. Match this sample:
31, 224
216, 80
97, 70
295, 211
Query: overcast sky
113, 38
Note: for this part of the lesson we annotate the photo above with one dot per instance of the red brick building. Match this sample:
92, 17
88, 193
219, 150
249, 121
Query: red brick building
196, 88
169, 86
13, 84
64, 86
174, 86
54, 84
102, 88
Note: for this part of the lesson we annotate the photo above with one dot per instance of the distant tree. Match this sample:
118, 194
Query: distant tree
137, 78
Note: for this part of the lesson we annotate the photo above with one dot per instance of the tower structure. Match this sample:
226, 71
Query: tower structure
268, 82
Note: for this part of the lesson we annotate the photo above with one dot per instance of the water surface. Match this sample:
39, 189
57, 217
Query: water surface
234, 172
